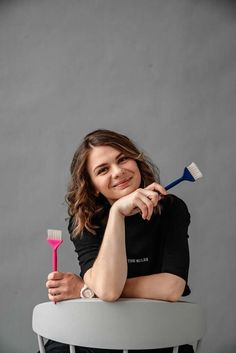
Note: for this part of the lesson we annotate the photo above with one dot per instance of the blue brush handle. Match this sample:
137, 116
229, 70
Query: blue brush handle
175, 182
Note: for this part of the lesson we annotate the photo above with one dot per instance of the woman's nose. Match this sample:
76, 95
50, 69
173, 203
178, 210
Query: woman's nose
117, 171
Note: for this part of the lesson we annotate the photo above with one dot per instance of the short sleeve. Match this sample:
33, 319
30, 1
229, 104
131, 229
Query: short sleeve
87, 246
176, 250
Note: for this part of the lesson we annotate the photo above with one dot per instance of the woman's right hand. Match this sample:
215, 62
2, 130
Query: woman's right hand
140, 201
63, 286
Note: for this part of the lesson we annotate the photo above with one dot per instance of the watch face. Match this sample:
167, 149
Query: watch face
87, 293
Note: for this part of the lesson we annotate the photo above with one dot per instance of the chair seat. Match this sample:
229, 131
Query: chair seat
124, 324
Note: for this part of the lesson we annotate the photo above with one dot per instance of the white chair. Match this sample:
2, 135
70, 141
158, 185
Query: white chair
125, 324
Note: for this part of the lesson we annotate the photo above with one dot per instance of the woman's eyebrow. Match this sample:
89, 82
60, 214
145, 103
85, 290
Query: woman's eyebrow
120, 154
104, 164
99, 166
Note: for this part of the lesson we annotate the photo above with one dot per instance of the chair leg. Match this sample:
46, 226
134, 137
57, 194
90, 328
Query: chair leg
72, 349
194, 345
198, 345
41, 344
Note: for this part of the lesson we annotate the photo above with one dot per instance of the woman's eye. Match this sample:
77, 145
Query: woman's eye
124, 158
102, 170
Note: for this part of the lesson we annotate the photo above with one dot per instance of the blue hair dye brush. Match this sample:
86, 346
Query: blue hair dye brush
191, 173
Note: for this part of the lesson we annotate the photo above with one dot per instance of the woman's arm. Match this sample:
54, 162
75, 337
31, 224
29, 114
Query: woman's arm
161, 286
108, 274
171, 282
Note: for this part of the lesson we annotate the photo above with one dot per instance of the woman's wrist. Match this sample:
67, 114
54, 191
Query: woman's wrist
116, 211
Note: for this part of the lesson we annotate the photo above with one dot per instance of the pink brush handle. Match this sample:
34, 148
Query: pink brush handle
54, 259
54, 243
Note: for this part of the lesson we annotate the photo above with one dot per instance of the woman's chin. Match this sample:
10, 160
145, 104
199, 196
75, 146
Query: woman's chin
123, 192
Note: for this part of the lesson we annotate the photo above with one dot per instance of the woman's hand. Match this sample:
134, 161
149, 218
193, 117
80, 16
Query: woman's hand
63, 285
140, 200
157, 187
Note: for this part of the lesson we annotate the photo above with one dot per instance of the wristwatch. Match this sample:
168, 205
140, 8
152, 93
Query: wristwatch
86, 292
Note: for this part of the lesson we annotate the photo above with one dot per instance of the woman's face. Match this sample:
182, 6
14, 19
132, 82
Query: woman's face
112, 173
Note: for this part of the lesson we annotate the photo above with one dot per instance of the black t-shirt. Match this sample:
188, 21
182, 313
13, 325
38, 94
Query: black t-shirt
156, 246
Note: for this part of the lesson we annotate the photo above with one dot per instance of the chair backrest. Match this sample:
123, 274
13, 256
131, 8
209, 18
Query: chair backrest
124, 324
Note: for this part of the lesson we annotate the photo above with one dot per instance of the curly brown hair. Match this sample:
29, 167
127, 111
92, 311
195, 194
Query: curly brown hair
84, 205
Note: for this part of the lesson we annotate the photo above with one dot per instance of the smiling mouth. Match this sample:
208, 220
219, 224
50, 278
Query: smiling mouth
122, 183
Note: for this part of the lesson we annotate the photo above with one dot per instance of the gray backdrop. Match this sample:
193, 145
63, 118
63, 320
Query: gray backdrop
162, 72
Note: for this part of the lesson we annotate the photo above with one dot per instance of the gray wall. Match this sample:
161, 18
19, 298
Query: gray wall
163, 72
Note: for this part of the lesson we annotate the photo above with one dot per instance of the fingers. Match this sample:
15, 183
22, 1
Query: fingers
153, 196
59, 293
140, 200
156, 187
53, 283
63, 285
146, 201
53, 293
56, 297
55, 275
148, 198
145, 205
54, 279
56, 290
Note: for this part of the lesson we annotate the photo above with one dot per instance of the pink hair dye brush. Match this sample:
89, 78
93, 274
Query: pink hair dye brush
54, 240
191, 173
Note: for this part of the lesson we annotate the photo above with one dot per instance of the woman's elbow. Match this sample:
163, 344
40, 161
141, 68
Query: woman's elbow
174, 296
175, 290
108, 296
108, 293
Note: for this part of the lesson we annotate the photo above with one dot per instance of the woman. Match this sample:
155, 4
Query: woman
130, 236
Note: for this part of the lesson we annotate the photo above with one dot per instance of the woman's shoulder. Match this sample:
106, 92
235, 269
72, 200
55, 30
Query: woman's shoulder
171, 200
85, 236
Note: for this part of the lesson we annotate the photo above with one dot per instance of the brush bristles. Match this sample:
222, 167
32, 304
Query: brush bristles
54, 234
195, 171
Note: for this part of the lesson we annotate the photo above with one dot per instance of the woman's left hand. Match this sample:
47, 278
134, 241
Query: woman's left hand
63, 285
159, 192
157, 187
